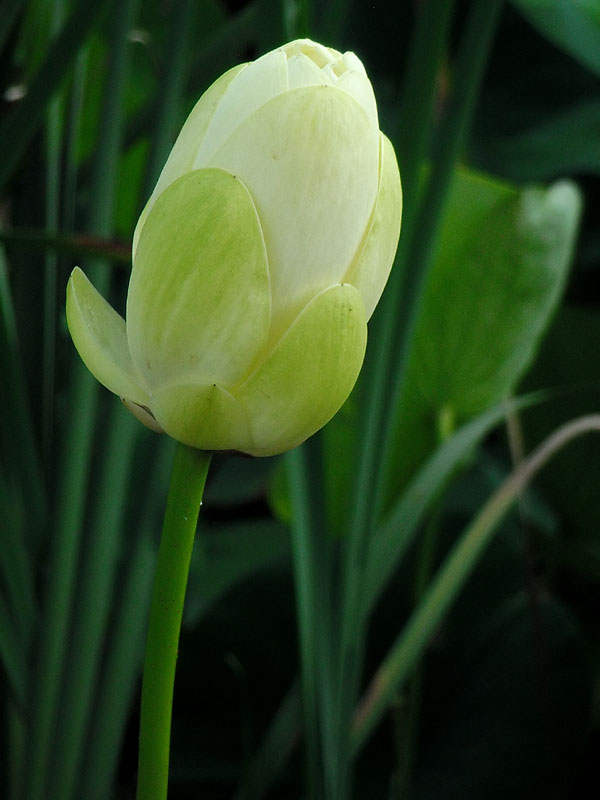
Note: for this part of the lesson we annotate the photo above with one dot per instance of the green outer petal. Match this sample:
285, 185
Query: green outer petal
309, 374
184, 151
198, 309
98, 333
370, 270
310, 161
203, 416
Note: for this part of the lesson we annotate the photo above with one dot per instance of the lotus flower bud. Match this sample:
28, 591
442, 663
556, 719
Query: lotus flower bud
257, 261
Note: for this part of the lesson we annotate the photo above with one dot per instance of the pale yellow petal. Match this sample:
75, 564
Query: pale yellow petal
310, 161
309, 374
302, 71
198, 308
203, 416
371, 268
258, 83
359, 86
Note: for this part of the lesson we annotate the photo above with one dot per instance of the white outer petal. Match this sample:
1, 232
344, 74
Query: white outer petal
359, 86
309, 159
254, 86
302, 71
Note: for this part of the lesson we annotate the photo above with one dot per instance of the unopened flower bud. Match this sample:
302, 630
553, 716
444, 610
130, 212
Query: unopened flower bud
258, 260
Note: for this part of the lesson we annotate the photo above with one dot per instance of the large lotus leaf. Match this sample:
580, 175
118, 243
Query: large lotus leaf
98, 333
500, 269
309, 373
198, 308
310, 161
491, 291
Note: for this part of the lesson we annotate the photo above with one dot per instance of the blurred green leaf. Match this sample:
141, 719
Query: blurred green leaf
131, 175
279, 497
533, 91
32, 40
9, 14
502, 263
16, 572
570, 355
91, 100
13, 638
238, 479
19, 448
74, 244
395, 535
275, 747
500, 269
339, 445
12, 656
17, 128
227, 43
572, 25
565, 142
510, 715
451, 577
226, 556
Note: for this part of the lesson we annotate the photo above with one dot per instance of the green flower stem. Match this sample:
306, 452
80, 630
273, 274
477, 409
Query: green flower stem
188, 477
449, 580
117, 689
